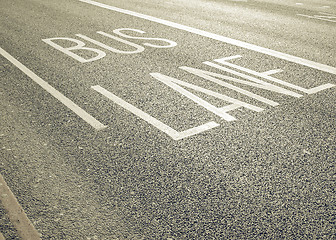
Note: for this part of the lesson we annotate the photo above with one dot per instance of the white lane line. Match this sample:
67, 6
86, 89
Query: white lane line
16, 214
319, 18
238, 43
63, 99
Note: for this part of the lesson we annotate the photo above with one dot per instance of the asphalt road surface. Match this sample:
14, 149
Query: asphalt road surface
170, 119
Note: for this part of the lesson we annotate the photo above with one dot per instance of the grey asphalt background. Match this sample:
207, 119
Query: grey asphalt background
268, 175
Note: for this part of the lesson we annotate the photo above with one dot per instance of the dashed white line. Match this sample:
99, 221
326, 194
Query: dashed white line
59, 96
214, 36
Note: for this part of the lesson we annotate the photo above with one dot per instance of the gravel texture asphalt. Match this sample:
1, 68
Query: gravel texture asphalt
268, 175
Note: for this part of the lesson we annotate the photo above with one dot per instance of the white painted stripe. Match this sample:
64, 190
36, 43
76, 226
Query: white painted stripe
153, 121
195, 130
325, 16
273, 71
303, 15
59, 96
238, 43
230, 107
16, 214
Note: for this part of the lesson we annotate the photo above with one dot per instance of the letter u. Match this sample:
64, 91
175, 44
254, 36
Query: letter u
137, 47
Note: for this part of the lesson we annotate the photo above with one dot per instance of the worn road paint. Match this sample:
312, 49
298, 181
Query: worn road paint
55, 93
323, 18
238, 43
16, 214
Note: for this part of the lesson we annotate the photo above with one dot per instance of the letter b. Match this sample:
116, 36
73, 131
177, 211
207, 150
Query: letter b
80, 46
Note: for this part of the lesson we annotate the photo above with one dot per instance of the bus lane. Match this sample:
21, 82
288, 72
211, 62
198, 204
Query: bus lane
186, 122
128, 49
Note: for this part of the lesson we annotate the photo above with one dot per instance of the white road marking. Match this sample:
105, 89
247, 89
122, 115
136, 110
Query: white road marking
273, 71
270, 78
324, 18
170, 43
17, 216
326, 14
63, 99
80, 46
99, 53
238, 43
137, 47
215, 77
172, 82
230, 107
153, 121
257, 82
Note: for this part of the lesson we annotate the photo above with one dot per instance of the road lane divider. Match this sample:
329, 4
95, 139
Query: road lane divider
270, 52
55, 93
17, 216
